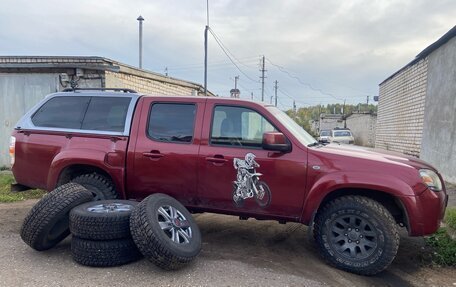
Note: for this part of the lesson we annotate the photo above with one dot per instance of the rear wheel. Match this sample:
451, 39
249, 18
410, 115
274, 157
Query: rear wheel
356, 234
101, 187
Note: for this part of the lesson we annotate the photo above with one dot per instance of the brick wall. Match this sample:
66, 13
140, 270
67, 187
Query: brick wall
363, 128
401, 110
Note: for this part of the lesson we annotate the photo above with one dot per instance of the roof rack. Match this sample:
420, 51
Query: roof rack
100, 89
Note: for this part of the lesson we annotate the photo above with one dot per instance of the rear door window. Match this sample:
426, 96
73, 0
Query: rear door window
106, 114
61, 112
170, 122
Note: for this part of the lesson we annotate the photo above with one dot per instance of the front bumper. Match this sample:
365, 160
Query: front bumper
425, 211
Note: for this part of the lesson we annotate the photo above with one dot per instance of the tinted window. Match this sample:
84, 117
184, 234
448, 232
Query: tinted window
106, 114
172, 122
238, 127
61, 112
325, 133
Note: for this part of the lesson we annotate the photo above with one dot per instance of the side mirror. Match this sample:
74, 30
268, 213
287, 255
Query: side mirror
276, 141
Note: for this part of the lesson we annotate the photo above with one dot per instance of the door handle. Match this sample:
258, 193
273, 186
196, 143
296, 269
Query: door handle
153, 154
216, 159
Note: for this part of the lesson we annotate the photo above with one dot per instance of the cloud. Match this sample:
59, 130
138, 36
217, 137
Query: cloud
344, 48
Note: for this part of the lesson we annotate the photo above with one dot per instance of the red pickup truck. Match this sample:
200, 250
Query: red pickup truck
234, 157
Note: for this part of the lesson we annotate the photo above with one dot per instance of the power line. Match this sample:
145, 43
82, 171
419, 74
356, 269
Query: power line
283, 70
219, 42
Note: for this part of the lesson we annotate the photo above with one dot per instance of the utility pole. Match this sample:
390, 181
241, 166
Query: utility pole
235, 81
205, 48
275, 90
251, 96
367, 106
262, 77
166, 71
294, 106
343, 115
140, 19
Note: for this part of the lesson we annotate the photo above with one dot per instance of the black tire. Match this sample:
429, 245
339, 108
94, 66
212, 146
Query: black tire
101, 187
47, 222
154, 243
266, 200
104, 253
238, 201
102, 220
356, 234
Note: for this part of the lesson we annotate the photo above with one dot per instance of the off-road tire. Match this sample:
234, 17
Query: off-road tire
47, 222
383, 230
105, 224
101, 187
154, 243
104, 253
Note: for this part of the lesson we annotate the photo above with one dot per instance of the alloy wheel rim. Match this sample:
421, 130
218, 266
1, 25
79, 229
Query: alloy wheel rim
174, 224
110, 208
353, 237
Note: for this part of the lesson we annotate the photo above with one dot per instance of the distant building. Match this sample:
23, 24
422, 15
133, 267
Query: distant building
417, 107
362, 126
26, 80
330, 121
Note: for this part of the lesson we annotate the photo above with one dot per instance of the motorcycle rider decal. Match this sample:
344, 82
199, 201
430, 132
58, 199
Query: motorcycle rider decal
248, 184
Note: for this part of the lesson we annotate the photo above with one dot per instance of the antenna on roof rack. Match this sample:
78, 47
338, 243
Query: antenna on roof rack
100, 89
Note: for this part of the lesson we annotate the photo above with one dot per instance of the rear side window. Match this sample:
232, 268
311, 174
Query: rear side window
61, 112
87, 113
172, 122
106, 114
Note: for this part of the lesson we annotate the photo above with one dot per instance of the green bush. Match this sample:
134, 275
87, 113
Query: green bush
444, 248
7, 196
450, 217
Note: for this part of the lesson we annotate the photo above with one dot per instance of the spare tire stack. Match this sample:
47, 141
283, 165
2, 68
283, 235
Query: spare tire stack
113, 232
101, 233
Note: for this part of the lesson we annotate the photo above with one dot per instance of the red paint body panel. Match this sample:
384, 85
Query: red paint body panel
201, 175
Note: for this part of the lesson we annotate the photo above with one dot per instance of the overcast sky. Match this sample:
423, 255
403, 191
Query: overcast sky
342, 49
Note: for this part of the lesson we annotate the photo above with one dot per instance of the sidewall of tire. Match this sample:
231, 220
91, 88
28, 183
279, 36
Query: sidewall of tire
385, 227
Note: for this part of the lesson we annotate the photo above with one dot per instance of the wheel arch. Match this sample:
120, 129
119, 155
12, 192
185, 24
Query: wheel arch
392, 203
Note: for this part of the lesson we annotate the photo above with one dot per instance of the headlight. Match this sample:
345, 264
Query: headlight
431, 179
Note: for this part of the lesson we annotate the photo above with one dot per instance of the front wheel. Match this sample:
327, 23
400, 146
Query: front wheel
356, 234
263, 197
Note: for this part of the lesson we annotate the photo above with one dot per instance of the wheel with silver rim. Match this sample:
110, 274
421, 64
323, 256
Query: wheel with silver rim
102, 220
356, 234
174, 224
165, 232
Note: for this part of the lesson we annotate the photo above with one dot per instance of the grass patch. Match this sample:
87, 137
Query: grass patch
7, 196
443, 246
444, 253
450, 217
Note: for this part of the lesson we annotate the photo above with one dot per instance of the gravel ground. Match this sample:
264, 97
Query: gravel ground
235, 253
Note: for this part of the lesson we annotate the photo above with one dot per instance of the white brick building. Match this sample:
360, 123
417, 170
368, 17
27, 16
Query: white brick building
417, 107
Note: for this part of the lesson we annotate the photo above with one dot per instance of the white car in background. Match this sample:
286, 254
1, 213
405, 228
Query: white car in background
324, 135
343, 136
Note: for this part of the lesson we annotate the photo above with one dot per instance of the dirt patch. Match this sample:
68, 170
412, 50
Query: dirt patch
235, 253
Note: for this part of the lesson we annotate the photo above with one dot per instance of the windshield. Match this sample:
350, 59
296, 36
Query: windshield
324, 133
342, 134
292, 126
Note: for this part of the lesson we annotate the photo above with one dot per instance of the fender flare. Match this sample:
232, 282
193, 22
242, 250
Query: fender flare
86, 157
332, 182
